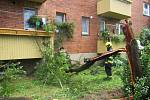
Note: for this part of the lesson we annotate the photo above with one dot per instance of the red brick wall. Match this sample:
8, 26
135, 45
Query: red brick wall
11, 13
74, 10
11, 16
138, 19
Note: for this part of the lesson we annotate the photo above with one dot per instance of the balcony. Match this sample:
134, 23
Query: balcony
22, 44
38, 1
101, 47
118, 9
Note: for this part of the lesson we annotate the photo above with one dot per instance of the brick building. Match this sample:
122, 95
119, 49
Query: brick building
88, 16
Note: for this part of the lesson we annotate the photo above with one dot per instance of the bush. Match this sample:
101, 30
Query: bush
141, 90
11, 72
126, 78
65, 31
119, 62
145, 37
142, 87
53, 66
145, 61
50, 27
105, 35
118, 38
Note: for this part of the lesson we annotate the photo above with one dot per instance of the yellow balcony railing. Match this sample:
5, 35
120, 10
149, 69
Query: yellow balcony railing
22, 44
118, 9
101, 47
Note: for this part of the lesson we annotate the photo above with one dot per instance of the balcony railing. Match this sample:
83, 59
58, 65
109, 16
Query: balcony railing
118, 9
22, 44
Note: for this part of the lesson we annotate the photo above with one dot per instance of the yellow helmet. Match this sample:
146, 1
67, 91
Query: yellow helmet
108, 44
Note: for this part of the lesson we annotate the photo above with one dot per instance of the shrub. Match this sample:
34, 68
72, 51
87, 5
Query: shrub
118, 38
142, 87
119, 62
50, 27
145, 61
65, 31
127, 85
141, 90
11, 72
53, 66
145, 37
105, 35
35, 22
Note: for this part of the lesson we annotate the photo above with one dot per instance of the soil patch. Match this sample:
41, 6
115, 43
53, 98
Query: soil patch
103, 95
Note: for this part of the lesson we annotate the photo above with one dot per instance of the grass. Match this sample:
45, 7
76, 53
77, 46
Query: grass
80, 84
29, 87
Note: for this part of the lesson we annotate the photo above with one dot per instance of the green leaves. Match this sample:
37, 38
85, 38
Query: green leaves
65, 32
145, 37
140, 89
12, 71
50, 27
53, 66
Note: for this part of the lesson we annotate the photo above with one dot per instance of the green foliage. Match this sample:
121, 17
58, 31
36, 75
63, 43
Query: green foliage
115, 37
53, 66
118, 38
65, 31
145, 37
126, 78
35, 21
105, 35
11, 73
140, 89
119, 62
50, 27
145, 61
77, 87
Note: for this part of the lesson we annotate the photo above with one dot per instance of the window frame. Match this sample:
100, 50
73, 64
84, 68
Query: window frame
118, 28
28, 8
148, 9
102, 20
88, 26
64, 17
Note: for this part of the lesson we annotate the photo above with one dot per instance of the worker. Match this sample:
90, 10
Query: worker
108, 61
109, 45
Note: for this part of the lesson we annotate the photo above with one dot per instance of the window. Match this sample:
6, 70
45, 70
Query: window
60, 17
146, 9
28, 12
85, 25
118, 28
102, 25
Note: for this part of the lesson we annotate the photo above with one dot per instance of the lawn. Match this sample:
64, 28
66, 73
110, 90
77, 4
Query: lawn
83, 84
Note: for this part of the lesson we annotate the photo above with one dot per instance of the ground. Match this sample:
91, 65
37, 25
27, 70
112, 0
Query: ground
104, 95
91, 85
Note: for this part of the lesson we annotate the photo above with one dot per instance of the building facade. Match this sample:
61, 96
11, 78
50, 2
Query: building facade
89, 16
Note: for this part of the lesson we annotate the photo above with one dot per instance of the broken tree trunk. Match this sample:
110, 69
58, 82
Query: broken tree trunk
132, 52
91, 61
